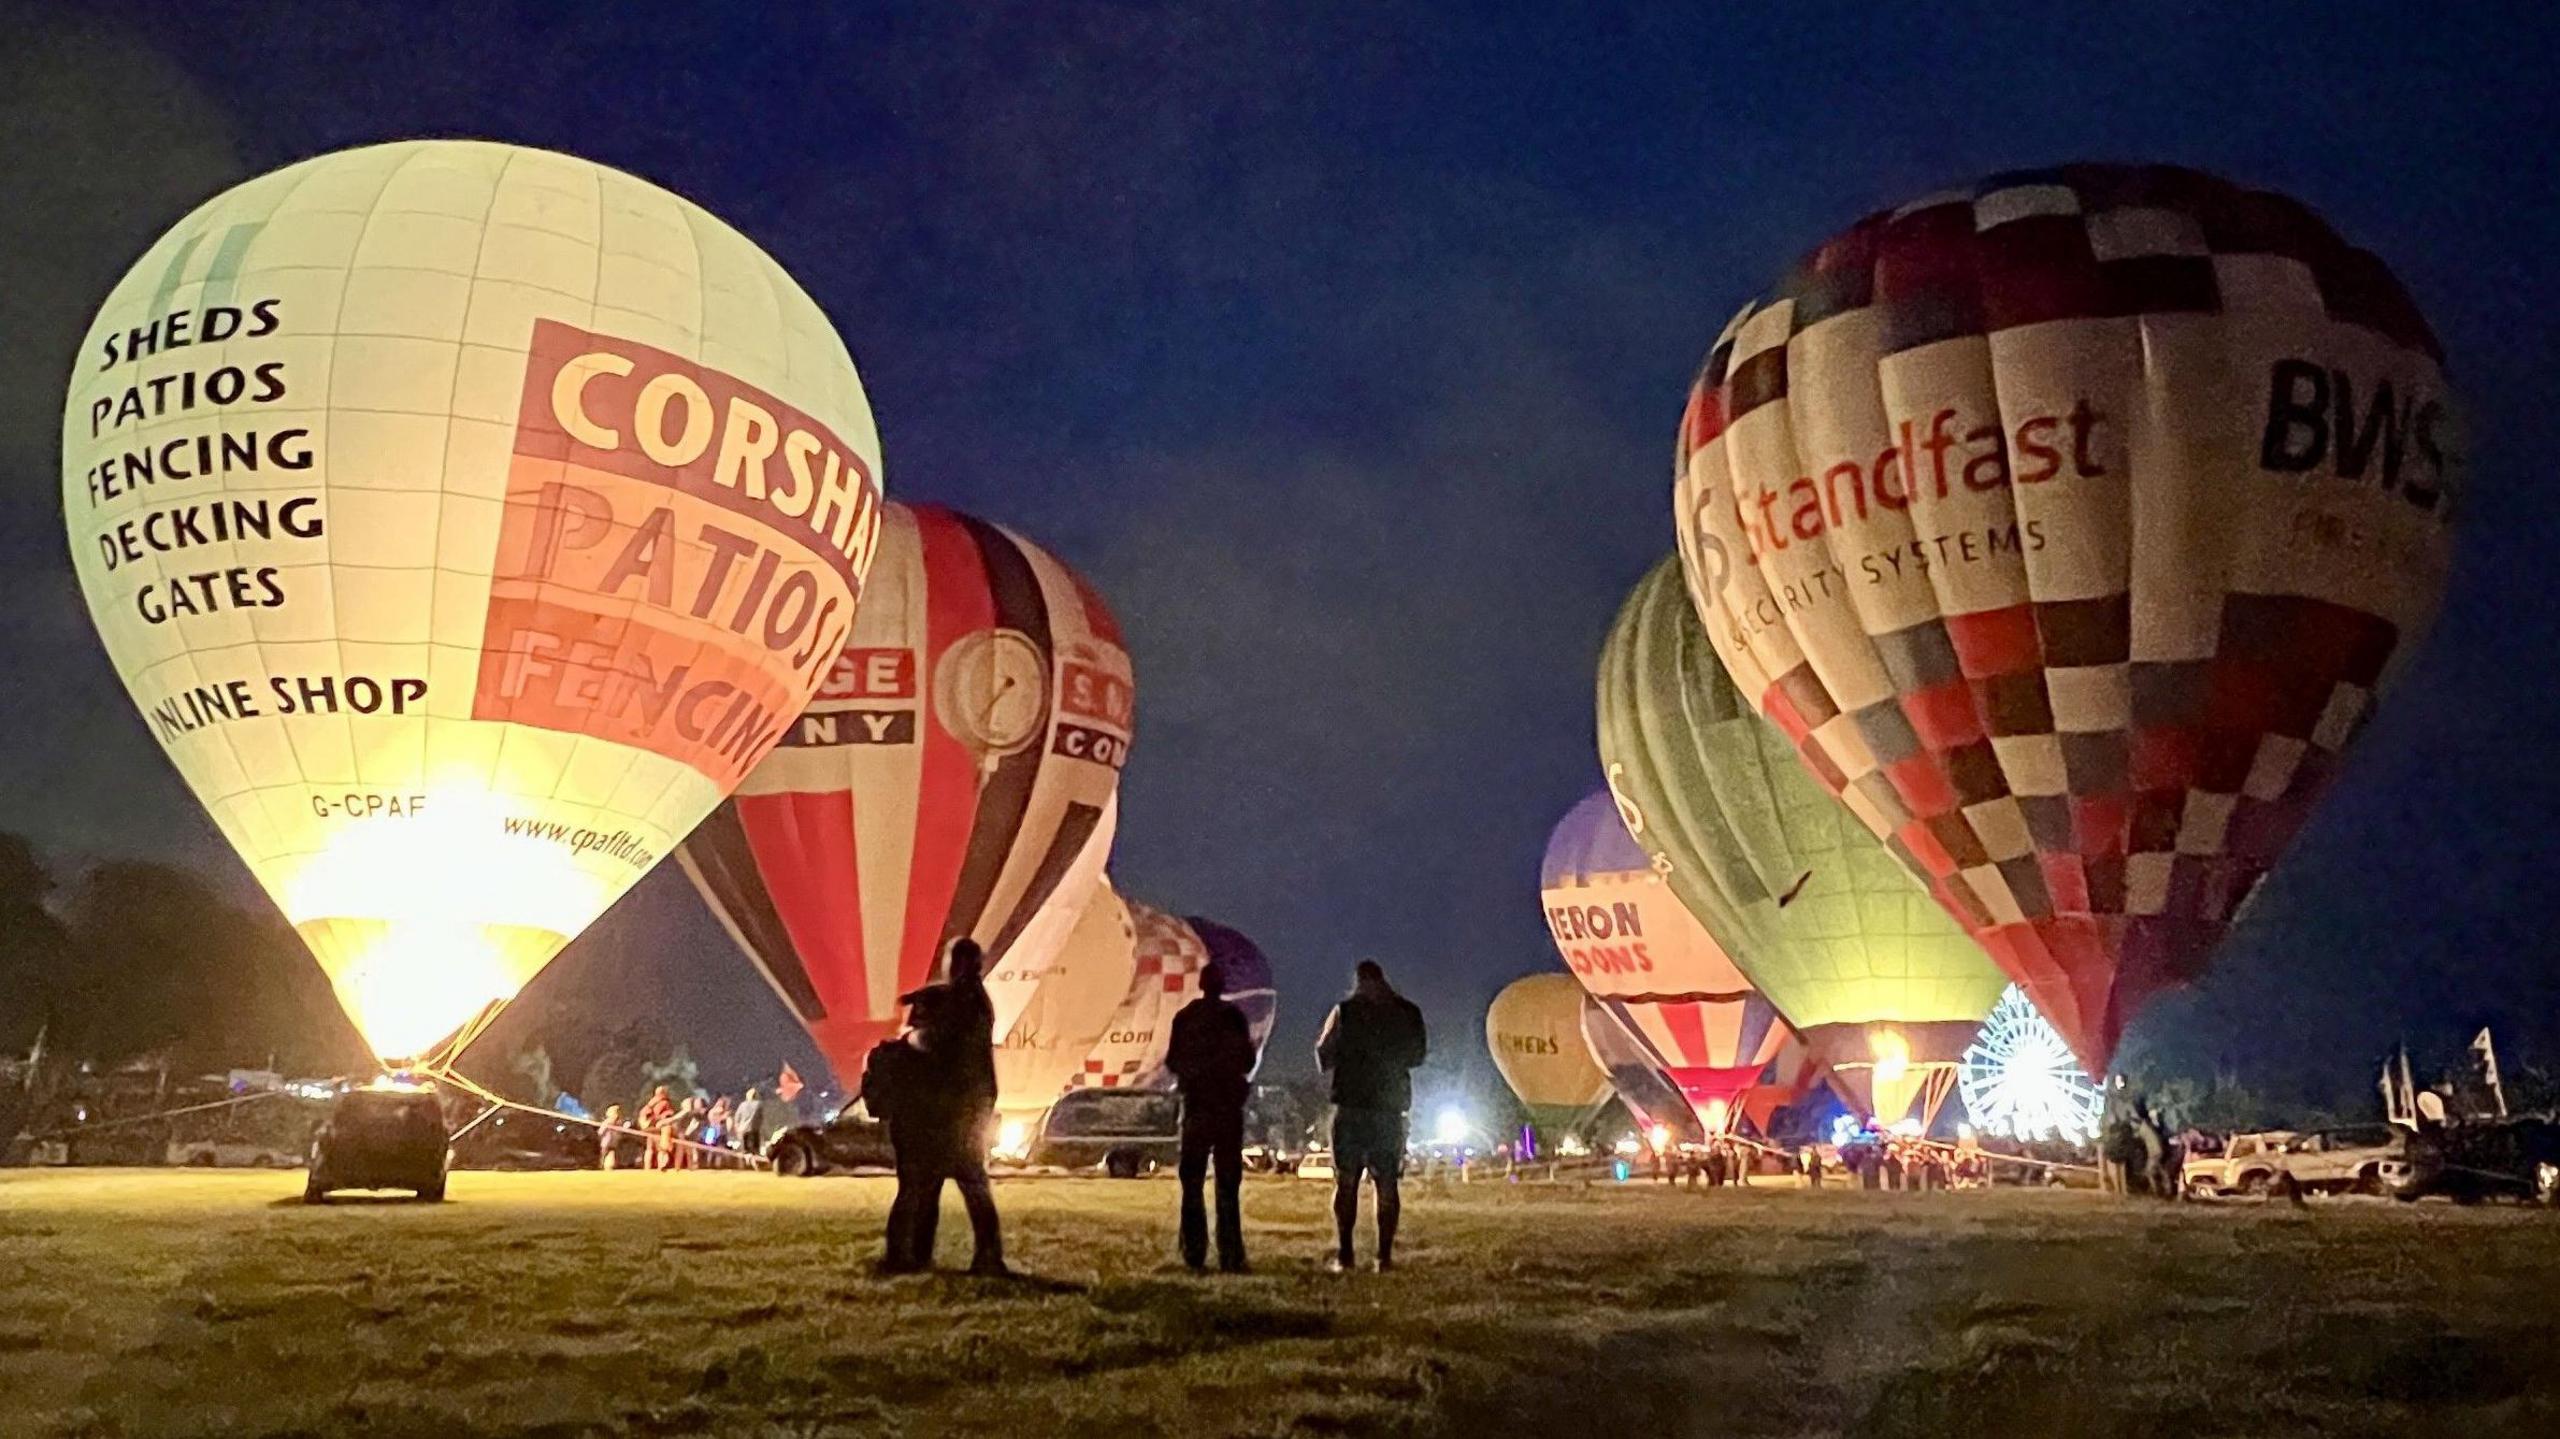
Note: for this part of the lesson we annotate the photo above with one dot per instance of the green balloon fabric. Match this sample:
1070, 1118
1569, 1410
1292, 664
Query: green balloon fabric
1884, 987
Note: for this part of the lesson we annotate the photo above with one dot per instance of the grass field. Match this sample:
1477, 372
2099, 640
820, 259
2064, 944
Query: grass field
152, 1303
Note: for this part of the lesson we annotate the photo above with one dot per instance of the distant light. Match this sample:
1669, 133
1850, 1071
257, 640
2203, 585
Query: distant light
1452, 1127
1907, 1128
1718, 1115
1844, 1128
1630, 1146
1964, 1132
1013, 1140
1660, 1134
1572, 1147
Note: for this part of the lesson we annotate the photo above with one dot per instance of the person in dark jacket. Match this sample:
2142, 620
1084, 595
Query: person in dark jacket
941, 1102
1372, 1043
1211, 1058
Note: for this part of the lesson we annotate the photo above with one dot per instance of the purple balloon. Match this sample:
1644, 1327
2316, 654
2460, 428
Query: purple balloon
1591, 839
1247, 971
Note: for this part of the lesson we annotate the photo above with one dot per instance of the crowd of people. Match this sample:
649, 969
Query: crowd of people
694, 1132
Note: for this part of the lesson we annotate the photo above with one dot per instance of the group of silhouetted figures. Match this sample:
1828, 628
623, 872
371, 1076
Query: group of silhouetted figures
934, 1086
684, 1134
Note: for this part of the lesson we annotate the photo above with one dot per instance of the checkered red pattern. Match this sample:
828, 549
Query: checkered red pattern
2093, 815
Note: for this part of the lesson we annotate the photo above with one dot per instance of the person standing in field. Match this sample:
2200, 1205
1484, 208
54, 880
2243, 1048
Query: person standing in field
1211, 1057
688, 1132
715, 1130
747, 1125
609, 1139
658, 1117
1372, 1043
943, 1108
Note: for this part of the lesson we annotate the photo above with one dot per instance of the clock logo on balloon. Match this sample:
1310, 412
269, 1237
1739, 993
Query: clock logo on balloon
992, 691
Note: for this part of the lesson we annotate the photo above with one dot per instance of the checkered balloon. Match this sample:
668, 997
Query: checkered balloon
2068, 525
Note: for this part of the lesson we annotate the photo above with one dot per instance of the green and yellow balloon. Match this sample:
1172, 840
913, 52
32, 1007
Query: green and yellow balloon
1885, 989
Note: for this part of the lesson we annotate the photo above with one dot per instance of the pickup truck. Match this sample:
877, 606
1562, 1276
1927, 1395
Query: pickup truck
2326, 1161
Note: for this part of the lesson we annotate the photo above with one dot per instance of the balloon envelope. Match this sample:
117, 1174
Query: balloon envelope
1634, 946
2069, 523
1247, 970
1132, 1050
1534, 1029
951, 778
1635, 1075
1068, 1008
465, 521
1882, 985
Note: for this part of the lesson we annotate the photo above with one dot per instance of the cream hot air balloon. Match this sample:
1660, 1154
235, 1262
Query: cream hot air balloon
465, 521
1067, 1012
2069, 524
1533, 1030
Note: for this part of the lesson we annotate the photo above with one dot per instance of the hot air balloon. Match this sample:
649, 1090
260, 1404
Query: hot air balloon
465, 521
1066, 1011
2101, 504
1792, 1076
1247, 971
951, 778
1636, 948
1884, 988
1132, 1050
1534, 1029
1635, 1075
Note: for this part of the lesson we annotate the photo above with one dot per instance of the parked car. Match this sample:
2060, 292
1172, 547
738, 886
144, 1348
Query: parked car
2480, 1159
383, 1136
1122, 1132
848, 1141
2248, 1164
230, 1154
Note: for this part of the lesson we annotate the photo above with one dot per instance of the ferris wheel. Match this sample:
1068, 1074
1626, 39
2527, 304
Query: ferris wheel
2021, 1080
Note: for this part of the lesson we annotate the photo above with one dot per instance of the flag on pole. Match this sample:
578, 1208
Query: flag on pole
789, 1086
2488, 1053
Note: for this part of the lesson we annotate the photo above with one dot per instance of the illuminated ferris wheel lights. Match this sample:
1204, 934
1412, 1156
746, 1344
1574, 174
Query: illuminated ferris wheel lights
2021, 1080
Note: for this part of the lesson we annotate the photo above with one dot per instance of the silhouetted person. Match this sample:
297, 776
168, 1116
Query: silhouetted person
746, 1124
940, 1128
1371, 1044
1211, 1057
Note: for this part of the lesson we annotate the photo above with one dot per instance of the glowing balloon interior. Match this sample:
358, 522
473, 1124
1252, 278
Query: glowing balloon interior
465, 520
2069, 525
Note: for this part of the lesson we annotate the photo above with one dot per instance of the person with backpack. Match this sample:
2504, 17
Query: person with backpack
1211, 1056
1372, 1043
936, 1090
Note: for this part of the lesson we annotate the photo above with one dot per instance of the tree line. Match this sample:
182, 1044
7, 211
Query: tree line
122, 959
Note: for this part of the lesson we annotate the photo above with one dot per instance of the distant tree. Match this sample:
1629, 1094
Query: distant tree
533, 1063
167, 964
36, 951
677, 1071
621, 1071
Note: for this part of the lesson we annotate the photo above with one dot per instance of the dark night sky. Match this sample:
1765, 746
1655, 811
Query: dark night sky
1343, 345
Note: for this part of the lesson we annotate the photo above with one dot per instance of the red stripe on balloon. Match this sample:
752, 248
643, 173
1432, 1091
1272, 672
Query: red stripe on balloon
957, 603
